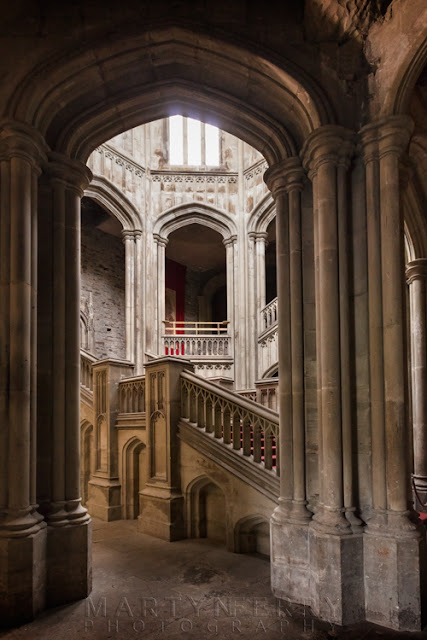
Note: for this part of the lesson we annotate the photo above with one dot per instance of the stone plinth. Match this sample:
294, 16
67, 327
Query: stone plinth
290, 562
22, 578
69, 566
395, 581
337, 594
104, 500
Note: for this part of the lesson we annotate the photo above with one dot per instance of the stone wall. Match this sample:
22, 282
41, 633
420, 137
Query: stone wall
103, 275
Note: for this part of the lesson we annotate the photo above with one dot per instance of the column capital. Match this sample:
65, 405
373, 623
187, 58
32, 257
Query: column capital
159, 240
260, 236
128, 234
285, 176
20, 140
386, 136
416, 270
229, 241
328, 144
73, 173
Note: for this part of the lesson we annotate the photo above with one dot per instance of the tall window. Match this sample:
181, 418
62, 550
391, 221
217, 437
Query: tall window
192, 142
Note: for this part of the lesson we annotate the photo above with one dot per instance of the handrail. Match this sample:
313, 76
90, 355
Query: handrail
89, 356
241, 423
203, 328
241, 401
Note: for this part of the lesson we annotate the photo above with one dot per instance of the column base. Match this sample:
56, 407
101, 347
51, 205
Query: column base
420, 493
290, 561
162, 516
69, 562
396, 580
104, 499
337, 588
22, 577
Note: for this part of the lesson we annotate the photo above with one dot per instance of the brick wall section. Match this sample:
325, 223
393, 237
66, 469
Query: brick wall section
103, 274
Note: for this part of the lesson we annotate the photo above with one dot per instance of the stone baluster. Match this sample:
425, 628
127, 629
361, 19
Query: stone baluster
22, 530
416, 274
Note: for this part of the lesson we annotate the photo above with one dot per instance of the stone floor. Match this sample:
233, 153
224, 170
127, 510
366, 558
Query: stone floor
193, 589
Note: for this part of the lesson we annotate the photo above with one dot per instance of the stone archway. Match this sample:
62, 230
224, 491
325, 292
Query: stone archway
252, 535
134, 475
87, 458
206, 510
82, 92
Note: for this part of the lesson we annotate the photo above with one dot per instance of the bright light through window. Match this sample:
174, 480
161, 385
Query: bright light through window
193, 143
212, 145
194, 137
176, 144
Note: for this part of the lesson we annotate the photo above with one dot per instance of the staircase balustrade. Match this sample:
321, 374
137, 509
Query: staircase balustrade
132, 395
86, 375
240, 423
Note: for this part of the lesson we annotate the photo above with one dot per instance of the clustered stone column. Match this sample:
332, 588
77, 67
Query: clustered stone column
392, 545
291, 517
128, 239
161, 284
326, 155
416, 274
134, 296
229, 264
22, 530
335, 537
256, 293
68, 549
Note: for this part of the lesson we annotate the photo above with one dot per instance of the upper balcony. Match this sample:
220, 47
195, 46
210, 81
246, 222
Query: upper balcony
207, 344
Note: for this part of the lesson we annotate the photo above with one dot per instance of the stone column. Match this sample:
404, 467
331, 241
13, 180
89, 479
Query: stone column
140, 316
69, 530
290, 579
336, 553
416, 274
129, 242
22, 529
253, 312
161, 288
229, 262
260, 245
394, 550
295, 175
376, 364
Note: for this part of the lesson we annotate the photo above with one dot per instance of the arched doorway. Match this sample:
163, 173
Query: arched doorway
194, 256
207, 511
87, 458
134, 476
